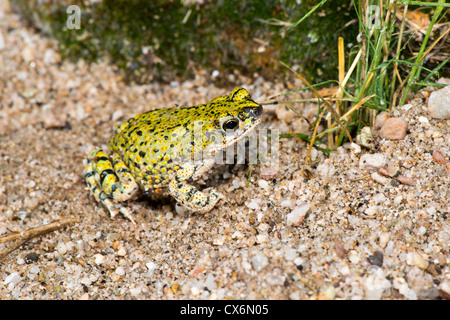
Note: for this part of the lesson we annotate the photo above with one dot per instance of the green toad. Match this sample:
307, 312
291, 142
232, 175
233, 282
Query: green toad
159, 151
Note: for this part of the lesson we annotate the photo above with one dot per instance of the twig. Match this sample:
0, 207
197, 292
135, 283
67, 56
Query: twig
25, 236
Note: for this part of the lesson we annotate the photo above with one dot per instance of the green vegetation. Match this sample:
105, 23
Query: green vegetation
165, 40
392, 60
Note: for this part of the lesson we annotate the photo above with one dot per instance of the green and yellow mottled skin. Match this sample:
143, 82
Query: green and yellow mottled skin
158, 151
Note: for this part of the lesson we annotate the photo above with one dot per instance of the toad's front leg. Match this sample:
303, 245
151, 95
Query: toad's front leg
110, 181
188, 196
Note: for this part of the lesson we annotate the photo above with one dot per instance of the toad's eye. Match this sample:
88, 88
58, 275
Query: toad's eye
230, 124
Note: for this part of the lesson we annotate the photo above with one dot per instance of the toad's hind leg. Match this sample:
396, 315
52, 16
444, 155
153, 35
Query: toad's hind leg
188, 196
110, 181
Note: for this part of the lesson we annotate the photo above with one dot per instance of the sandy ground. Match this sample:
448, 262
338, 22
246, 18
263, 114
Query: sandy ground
361, 238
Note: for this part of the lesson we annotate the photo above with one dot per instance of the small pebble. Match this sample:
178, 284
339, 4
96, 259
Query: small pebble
372, 161
135, 291
376, 284
379, 198
365, 138
99, 259
35, 270
237, 235
262, 238
31, 257
286, 203
28, 54
259, 261
328, 294
439, 157
422, 230
392, 168
116, 115
120, 271
175, 287
445, 287
215, 74
380, 120
354, 257
122, 252
355, 148
84, 296
439, 103
151, 266
384, 172
326, 170
398, 199
341, 252
14, 278
406, 180
269, 173
235, 183
379, 178
371, 211
263, 184
219, 241
195, 291
417, 260
394, 129
298, 261
384, 238
424, 120
61, 248
406, 107
376, 259
434, 269
210, 282
43, 276
401, 285
296, 217
254, 204
2, 42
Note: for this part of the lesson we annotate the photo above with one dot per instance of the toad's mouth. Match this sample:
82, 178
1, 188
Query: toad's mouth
233, 137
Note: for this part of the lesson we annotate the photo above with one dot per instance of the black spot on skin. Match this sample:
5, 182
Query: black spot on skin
142, 154
191, 193
139, 133
103, 159
131, 132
